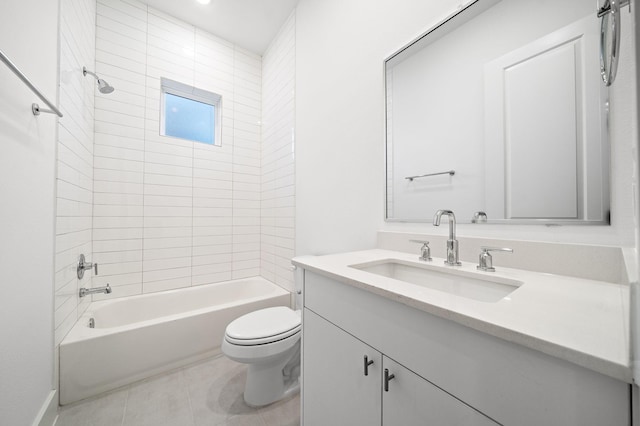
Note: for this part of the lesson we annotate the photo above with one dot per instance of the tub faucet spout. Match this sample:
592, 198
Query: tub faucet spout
452, 243
86, 291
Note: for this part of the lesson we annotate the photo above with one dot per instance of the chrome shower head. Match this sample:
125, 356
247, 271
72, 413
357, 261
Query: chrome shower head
103, 86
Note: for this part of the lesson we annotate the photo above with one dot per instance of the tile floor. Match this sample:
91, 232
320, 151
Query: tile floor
208, 393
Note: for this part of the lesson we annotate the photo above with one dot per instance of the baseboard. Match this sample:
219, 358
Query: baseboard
49, 412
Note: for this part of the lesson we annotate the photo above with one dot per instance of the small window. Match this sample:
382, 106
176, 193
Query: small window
189, 113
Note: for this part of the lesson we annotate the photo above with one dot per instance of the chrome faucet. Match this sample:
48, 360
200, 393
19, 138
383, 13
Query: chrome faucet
86, 291
452, 243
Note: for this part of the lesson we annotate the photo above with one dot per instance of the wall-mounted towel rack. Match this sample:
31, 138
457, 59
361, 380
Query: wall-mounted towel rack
35, 108
448, 172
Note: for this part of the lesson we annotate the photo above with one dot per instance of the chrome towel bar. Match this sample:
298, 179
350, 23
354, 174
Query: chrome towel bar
34, 107
449, 172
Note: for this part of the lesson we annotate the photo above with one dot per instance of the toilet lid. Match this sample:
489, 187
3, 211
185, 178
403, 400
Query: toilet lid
264, 325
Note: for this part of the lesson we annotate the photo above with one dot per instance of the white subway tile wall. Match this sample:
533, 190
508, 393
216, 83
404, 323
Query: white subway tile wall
170, 213
278, 179
160, 213
75, 160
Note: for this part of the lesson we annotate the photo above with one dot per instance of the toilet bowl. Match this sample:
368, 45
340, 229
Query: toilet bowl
268, 340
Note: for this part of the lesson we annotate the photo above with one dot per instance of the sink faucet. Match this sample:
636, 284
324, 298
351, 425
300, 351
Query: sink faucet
452, 243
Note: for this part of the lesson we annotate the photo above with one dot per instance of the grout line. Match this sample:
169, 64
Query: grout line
145, 140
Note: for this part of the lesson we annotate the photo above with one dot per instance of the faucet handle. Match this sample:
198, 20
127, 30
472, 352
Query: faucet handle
487, 249
420, 241
83, 265
425, 250
485, 260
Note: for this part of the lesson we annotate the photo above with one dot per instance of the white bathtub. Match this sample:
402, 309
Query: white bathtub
139, 336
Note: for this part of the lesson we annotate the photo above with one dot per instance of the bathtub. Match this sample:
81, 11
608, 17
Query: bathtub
139, 336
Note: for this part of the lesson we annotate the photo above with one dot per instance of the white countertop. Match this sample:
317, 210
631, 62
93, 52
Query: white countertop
582, 321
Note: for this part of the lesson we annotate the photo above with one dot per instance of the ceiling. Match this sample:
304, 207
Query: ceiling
251, 24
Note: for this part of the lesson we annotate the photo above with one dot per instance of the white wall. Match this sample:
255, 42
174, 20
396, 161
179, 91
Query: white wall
170, 213
74, 181
277, 232
27, 176
340, 46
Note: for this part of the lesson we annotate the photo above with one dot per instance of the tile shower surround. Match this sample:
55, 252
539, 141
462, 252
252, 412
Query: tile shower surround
278, 179
165, 213
74, 181
170, 213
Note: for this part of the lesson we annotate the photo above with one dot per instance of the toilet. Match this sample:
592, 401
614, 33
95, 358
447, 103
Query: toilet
269, 341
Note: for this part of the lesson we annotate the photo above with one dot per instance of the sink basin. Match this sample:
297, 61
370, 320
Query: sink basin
460, 283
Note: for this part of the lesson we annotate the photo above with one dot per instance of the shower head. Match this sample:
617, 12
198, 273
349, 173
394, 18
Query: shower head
103, 86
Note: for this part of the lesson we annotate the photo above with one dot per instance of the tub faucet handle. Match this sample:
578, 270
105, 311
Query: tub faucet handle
83, 265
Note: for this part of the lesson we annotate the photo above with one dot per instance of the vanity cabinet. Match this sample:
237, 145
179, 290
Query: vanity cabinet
347, 382
444, 373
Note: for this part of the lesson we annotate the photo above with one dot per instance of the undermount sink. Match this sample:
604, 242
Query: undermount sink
460, 283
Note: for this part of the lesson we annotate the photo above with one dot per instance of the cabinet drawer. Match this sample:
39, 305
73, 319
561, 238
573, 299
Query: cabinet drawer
507, 382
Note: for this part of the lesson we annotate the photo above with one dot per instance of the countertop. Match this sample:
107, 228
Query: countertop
585, 322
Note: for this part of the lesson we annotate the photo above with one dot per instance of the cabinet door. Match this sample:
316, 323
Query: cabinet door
336, 390
412, 400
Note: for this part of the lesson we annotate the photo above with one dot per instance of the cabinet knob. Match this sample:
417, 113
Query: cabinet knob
387, 378
367, 363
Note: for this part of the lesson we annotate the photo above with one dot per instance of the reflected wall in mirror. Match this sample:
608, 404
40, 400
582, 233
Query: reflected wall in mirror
507, 94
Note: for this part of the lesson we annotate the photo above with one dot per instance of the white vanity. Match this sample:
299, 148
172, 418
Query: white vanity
390, 340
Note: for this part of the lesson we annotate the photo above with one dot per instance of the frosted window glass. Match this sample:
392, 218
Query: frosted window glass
189, 119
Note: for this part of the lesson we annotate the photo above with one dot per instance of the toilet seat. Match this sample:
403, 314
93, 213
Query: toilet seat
264, 326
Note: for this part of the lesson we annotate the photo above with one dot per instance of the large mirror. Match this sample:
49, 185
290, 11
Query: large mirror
500, 109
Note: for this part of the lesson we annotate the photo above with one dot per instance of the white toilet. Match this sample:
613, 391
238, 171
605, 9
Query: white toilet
269, 341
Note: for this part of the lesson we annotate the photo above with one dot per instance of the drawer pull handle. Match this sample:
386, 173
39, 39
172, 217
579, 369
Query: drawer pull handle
367, 363
387, 378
